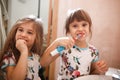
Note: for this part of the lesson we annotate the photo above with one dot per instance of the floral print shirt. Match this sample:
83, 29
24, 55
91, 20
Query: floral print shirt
32, 69
76, 62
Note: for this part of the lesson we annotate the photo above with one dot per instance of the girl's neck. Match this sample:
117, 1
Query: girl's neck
29, 53
81, 44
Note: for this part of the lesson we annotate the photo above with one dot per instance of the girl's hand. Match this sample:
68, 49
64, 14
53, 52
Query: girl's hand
67, 42
46, 58
100, 67
21, 45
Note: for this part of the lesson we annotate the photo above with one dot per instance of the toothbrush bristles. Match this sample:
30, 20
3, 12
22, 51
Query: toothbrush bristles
78, 36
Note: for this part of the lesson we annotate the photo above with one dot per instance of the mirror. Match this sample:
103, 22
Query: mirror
12, 10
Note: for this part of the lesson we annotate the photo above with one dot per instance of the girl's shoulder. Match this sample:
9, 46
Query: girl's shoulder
92, 47
8, 60
8, 55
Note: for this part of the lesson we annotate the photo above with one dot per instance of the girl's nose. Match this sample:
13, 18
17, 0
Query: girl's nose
23, 34
80, 28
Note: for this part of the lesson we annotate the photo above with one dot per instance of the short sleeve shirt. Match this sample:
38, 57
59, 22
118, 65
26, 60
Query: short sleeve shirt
32, 69
76, 62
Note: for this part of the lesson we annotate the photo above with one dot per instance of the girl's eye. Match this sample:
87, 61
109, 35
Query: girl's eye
84, 24
75, 26
20, 30
30, 33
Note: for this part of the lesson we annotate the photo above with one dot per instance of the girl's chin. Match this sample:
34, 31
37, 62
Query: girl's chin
81, 39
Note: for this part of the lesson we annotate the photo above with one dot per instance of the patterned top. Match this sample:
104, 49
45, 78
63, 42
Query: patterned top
76, 62
32, 69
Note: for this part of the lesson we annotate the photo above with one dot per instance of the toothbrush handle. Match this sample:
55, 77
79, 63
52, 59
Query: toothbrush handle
59, 49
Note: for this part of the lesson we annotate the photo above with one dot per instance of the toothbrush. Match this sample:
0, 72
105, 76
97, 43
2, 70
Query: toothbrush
78, 36
59, 49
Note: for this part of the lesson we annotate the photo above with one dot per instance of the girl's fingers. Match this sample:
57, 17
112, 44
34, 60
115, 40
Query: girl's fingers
102, 66
100, 63
68, 45
67, 42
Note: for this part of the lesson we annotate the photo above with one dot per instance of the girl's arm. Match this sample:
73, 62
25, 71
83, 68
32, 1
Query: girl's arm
19, 71
99, 67
46, 59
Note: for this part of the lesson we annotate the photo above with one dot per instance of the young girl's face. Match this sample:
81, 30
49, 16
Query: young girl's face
26, 32
79, 30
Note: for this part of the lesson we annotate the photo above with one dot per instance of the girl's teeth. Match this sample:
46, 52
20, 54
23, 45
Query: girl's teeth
78, 36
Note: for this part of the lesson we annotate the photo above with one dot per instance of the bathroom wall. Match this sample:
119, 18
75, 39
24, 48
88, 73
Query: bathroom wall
21, 8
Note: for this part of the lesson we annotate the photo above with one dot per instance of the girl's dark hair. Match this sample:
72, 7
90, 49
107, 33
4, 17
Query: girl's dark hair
79, 15
9, 45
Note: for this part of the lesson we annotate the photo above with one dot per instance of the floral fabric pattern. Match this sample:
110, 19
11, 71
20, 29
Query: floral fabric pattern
76, 62
32, 69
